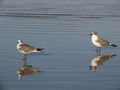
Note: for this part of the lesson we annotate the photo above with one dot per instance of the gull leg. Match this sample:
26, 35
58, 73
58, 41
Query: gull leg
25, 62
25, 57
98, 51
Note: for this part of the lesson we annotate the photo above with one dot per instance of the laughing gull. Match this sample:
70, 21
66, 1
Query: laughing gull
99, 42
26, 49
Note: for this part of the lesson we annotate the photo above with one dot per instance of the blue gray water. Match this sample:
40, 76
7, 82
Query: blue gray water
62, 27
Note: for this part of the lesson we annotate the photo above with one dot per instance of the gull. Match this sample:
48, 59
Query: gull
99, 42
26, 49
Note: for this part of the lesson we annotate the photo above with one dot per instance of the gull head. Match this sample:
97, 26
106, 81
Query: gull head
93, 33
19, 42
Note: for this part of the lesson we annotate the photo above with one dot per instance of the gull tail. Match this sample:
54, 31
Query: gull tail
113, 55
113, 45
39, 49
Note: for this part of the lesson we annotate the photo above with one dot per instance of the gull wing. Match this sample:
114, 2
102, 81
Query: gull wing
26, 48
103, 42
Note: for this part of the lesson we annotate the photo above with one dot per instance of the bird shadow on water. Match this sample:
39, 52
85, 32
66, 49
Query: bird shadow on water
26, 69
35, 54
99, 60
39, 54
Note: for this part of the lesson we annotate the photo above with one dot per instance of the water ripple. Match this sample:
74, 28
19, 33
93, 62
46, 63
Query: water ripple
32, 15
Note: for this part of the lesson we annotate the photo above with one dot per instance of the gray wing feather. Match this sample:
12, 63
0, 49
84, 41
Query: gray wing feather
103, 42
26, 48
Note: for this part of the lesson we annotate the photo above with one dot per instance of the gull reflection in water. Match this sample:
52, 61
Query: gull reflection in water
26, 70
99, 60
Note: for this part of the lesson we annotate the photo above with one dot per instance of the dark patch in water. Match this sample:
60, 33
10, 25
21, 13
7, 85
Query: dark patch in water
32, 15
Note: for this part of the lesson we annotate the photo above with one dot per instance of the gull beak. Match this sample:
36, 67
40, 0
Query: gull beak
90, 34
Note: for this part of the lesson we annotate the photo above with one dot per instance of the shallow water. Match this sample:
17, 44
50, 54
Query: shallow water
62, 27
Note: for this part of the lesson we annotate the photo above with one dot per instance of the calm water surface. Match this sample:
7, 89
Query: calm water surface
62, 27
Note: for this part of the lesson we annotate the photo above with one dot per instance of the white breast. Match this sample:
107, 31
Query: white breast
18, 48
94, 41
